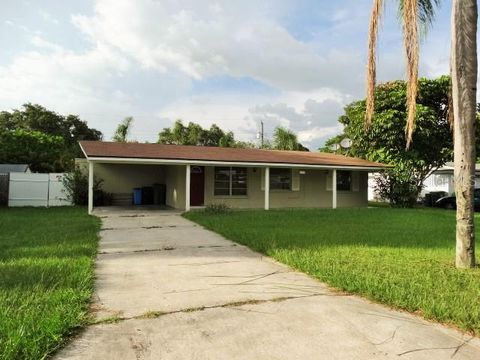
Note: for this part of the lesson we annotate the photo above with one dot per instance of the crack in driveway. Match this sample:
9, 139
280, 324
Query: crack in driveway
456, 348
233, 304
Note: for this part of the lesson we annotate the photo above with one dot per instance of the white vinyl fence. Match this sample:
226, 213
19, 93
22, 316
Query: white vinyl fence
28, 189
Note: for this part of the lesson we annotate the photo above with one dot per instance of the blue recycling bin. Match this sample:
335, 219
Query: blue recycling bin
137, 196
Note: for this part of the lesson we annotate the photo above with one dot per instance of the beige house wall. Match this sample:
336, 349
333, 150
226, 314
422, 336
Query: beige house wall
175, 182
314, 188
311, 193
122, 178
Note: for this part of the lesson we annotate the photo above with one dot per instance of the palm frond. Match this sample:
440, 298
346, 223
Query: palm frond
410, 39
375, 18
426, 10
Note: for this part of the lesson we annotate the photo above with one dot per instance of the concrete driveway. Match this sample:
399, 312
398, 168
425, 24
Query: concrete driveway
168, 289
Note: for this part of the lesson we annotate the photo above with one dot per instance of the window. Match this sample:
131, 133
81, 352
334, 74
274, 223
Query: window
230, 181
280, 179
344, 180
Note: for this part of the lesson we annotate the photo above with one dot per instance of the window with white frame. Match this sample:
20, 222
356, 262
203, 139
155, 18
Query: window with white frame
280, 179
230, 181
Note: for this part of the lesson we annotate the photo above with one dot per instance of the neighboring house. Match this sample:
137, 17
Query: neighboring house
240, 178
9, 168
372, 194
442, 179
439, 180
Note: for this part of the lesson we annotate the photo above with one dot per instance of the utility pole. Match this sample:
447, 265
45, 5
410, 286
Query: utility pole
261, 135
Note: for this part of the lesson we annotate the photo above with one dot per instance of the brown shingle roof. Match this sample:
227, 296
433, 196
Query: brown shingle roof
205, 153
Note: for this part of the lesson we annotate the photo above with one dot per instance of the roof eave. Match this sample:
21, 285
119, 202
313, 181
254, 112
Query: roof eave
83, 150
127, 160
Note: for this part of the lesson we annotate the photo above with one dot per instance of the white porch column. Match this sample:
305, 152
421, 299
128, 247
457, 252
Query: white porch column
334, 189
187, 188
90, 187
267, 188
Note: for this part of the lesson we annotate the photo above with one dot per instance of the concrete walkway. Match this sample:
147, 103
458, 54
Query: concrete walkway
178, 291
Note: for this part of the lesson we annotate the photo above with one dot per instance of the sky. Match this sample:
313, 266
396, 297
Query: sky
293, 63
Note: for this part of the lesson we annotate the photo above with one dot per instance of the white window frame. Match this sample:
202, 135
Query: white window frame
230, 181
272, 171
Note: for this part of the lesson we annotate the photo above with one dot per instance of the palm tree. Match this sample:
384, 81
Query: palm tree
284, 139
463, 62
122, 130
415, 15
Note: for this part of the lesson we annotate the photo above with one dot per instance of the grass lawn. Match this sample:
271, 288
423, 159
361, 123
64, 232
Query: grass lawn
46, 277
400, 257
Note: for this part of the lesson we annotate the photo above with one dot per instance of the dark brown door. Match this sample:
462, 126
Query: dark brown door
197, 185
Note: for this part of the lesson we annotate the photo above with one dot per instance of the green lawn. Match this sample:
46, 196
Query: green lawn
46, 277
400, 257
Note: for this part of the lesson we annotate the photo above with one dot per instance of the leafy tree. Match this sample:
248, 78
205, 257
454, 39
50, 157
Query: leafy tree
79, 130
328, 146
42, 152
244, 145
217, 137
414, 14
123, 129
194, 134
432, 141
463, 70
284, 139
35, 118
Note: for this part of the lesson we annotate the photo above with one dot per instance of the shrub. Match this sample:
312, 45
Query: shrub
217, 208
76, 189
398, 188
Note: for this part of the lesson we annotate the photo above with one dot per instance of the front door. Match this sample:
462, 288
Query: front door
197, 185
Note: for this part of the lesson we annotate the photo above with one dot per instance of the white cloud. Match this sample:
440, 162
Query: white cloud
313, 121
46, 16
312, 115
63, 81
238, 39
313, 137
228, 112
39, 42
142, 57
234, 38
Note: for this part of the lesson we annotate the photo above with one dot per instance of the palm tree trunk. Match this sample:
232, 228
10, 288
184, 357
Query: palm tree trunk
464, 81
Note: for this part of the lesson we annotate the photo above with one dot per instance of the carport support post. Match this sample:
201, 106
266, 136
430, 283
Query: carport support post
334, 189
267, 188
187, 188
90, 187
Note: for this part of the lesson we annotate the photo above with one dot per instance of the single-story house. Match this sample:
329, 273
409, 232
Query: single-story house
194, 176
442, 179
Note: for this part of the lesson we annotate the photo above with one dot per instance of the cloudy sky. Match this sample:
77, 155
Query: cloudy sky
234, 63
